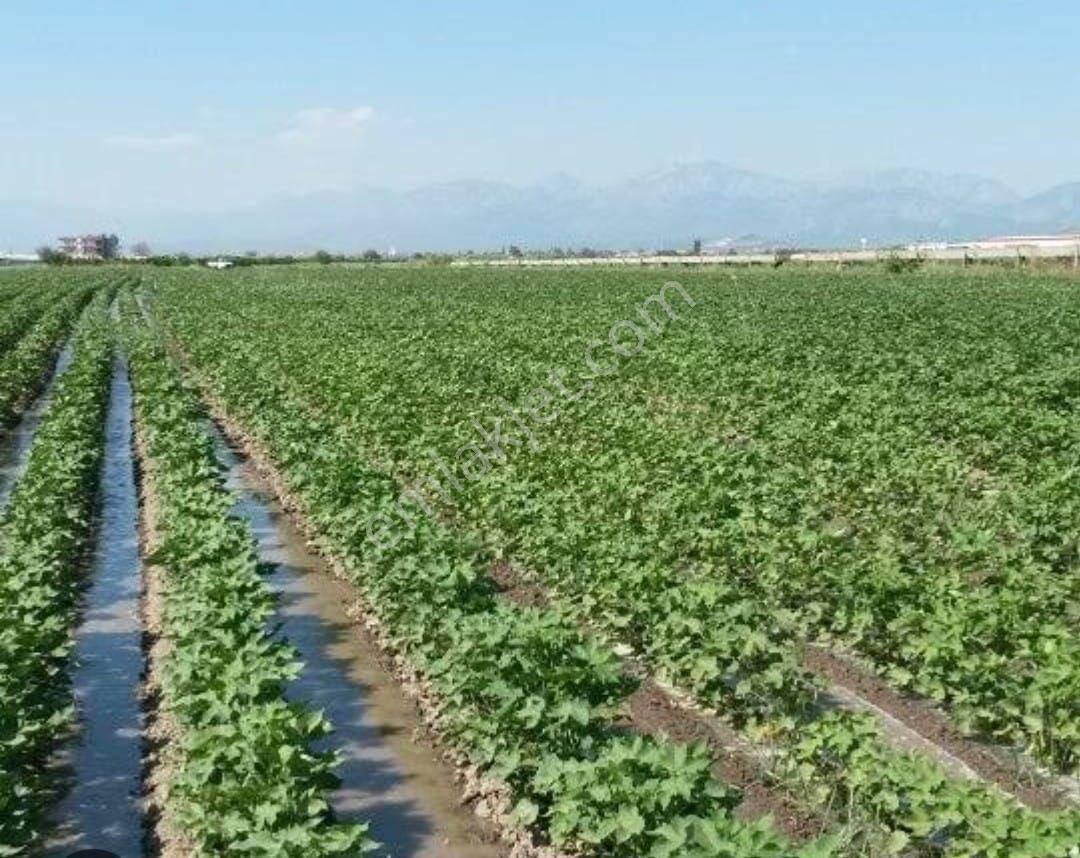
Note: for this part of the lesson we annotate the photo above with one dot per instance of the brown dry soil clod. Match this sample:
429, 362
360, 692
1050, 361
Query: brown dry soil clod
514, 588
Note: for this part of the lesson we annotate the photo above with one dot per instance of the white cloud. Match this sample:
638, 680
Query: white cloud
319, 126
164, 143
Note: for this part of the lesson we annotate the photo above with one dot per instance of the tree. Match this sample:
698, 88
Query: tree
515, 251
323, 257
141, 248
896, 264
697, 247
110, 246
371, 256
51, 256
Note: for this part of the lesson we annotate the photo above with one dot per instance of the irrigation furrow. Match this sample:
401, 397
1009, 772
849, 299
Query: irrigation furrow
387, 778
103, 764
230, 763
487, 800
15, 445
48, 533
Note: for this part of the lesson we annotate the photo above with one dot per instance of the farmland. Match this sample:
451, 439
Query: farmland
665, 562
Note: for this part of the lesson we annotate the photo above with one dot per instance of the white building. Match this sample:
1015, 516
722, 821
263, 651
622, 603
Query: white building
1061, 245
83, 246
1036, 245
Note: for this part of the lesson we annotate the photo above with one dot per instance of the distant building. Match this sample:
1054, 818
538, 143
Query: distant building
1063, 244
219, 264
1046, 244
732, 246
84, 246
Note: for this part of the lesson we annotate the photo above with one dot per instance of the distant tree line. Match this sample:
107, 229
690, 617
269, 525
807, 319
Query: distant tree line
251, 258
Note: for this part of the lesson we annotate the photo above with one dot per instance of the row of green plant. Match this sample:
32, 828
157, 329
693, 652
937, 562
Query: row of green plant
11, 287
248, 780
27, 293
19, 312
520, 692
716, 630
43, 537
24, 366
892, 466
840, 756
735, 655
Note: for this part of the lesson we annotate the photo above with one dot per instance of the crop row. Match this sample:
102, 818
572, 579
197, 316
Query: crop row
11, 288
247, 780
522, 694
26, 295
24, 366
723, 636
916, 504
732, 653
43, 535
18, 318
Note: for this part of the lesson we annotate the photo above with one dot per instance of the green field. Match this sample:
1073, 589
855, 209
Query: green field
822, 511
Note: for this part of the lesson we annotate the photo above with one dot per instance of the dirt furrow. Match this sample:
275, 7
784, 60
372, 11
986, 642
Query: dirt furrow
916, 723
161, 731
656, 710
908, 723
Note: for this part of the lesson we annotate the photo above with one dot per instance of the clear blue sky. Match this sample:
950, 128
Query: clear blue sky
209, 104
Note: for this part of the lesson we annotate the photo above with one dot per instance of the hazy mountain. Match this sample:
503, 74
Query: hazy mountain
958, 188
1058, 205
667, 208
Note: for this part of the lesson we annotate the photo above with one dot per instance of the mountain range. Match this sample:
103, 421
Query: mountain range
667, 208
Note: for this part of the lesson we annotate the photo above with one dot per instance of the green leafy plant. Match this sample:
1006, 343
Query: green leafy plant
43, 534
832, 459
248, 781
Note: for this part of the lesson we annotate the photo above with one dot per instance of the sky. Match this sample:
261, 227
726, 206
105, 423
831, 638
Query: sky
131, 106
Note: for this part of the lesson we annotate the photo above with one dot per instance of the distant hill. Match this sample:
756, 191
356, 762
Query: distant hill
668, 208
